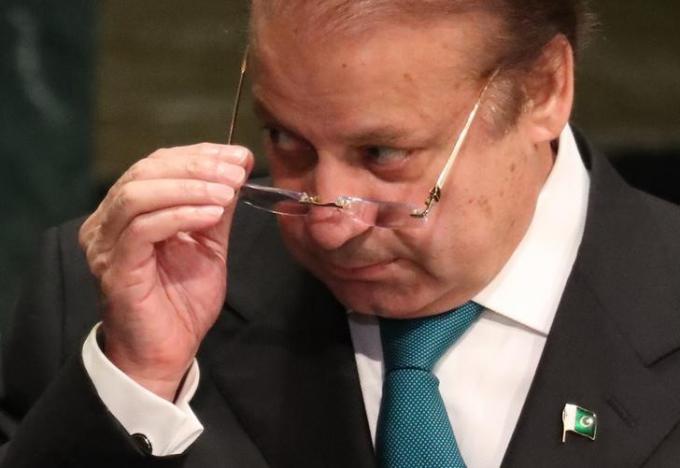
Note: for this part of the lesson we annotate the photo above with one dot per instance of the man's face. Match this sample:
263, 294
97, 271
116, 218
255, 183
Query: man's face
375, 115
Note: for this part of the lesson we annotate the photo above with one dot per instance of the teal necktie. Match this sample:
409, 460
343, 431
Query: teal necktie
413, 426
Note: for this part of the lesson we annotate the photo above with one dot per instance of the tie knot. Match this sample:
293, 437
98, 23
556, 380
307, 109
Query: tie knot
420, 343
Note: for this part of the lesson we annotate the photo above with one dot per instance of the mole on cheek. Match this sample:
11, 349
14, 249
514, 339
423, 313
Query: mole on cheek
485, 206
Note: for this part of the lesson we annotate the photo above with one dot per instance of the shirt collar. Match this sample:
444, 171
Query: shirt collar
529, 287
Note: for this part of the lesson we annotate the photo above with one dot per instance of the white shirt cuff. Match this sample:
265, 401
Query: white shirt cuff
171, 428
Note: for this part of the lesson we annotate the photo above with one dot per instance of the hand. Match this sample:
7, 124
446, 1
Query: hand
158, 245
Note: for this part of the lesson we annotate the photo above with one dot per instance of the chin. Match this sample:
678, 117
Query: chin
384, 300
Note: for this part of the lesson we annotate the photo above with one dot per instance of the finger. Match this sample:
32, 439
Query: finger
139, 197
136, 244
230, 153
219, 233
188, 163
207, 162
132, 194
204, 166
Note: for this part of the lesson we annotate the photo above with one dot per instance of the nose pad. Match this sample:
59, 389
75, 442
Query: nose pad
324, 213
330, 228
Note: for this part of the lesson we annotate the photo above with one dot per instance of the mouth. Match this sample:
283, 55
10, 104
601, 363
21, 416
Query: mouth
361, 272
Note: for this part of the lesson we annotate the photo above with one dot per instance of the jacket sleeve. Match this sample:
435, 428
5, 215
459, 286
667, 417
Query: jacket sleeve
50, 413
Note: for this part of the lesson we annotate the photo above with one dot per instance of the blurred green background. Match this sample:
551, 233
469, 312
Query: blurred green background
88, 87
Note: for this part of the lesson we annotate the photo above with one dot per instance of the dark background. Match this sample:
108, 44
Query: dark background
88, 87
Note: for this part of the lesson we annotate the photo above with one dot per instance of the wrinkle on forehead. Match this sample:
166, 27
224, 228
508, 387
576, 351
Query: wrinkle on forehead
456, 46
320, 21
356, 81
353, 15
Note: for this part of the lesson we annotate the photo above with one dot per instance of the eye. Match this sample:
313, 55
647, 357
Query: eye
285, 142
287, 152
384, 155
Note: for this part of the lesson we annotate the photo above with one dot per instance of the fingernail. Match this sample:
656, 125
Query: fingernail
237, 152
210, 149
212, 211
231, 172
240, 174
221, 192
242, 154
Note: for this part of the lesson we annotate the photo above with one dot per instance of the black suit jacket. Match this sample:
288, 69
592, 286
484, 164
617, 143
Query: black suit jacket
279, 384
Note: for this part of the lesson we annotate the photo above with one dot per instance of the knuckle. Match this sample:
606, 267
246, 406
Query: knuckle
107, 224
91, 230
203, 190
107, 281
137, 227
90, 255
97, 258
160, 153
204, 167
116, 186
84, 233
85, 239
124, 198
137, 170
195, 167
99, 265
213, 166
204, 147
194, 188
176, 214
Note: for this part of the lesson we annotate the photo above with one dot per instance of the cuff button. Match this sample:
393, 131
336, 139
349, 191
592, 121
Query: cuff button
143, 443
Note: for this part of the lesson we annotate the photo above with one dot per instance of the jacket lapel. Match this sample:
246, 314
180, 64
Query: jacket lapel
588, 361
617, 319
282, 358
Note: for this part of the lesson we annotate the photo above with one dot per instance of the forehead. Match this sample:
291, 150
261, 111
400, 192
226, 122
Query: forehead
391, 65
357, 15
324, 22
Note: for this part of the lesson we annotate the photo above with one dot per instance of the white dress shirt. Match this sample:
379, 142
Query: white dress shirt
484, 377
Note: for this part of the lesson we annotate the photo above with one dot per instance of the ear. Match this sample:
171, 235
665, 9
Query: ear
549, 89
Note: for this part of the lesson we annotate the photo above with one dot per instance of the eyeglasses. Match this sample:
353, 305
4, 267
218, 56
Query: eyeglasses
391, 215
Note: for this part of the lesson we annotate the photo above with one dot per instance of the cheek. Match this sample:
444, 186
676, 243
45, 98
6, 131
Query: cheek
447, 251
463, 234
285, 177
292, 233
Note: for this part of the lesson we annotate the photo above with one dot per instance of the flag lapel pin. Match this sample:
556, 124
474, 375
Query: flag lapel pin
579, 421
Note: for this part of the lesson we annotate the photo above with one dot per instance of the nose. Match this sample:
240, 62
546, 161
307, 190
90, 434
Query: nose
329, 227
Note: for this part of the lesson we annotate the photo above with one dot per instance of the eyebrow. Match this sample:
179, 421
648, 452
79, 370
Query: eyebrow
384, 134
263, 113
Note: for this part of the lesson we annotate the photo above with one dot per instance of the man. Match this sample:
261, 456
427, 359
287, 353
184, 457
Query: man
559, 278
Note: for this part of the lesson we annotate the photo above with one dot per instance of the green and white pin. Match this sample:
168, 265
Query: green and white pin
579, 421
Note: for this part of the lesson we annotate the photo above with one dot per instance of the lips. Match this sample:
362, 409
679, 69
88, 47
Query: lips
361, 272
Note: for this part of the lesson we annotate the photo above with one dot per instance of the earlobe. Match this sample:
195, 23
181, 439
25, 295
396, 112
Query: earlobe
550, 91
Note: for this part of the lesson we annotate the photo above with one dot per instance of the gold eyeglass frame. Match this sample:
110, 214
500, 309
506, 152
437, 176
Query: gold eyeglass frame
435, 194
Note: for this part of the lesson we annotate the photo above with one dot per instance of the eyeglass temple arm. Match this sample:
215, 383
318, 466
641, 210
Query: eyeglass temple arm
436, 192
237, 97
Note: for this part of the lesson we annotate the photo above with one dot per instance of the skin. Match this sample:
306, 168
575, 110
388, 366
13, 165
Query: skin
158, 245
394, 77
374, 115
